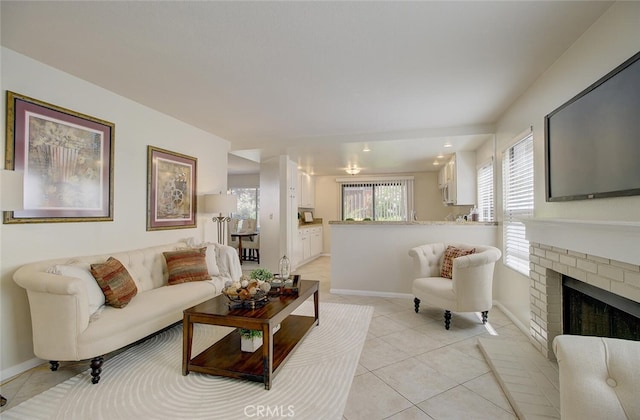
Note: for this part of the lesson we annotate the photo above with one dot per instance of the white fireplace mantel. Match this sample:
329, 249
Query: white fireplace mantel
616, 240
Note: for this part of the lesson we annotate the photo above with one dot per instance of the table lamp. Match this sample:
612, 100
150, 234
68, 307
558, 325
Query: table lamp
224, 205
11, 190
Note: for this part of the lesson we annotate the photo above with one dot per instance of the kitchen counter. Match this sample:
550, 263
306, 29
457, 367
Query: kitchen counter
410, 223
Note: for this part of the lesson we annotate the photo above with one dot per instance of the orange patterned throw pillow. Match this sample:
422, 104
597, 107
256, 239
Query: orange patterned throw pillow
115, 281
187, 265
449, 254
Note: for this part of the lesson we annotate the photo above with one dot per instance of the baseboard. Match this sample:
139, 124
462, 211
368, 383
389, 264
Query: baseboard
370, 293
513, 318
18, 369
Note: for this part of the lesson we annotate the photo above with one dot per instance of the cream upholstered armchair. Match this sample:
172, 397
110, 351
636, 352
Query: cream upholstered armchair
599, 377
469, 288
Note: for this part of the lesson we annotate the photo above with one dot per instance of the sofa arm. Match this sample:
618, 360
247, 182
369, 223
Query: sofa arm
228, 262
599, 377
59, 308
472, 278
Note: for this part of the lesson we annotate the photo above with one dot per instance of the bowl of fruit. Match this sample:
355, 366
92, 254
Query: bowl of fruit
246, 293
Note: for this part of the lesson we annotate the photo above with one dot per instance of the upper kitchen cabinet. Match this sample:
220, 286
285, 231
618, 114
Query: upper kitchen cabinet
306, 191
457, 180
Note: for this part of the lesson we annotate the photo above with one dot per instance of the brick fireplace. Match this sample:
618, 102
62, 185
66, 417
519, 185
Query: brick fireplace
602, 254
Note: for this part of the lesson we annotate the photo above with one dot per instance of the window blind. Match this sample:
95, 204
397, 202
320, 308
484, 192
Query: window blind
518, 202
485, 193
377, 200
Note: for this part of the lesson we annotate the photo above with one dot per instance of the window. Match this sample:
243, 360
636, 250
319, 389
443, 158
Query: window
390, 199
517, 177
248, 203
485, 193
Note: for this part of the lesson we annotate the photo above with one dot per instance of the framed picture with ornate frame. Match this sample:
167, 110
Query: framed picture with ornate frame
67, 159
171, 190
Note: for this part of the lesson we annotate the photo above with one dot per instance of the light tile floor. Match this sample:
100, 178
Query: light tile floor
410, 366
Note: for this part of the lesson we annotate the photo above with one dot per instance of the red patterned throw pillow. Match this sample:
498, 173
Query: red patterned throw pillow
187, 265
449, 255
115, 281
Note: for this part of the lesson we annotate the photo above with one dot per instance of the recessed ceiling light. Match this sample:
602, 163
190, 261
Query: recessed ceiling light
447, 144
436, 163
353, 170
440, 156
366, 149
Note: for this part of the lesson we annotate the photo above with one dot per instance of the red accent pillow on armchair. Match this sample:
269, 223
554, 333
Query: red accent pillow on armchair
449, 254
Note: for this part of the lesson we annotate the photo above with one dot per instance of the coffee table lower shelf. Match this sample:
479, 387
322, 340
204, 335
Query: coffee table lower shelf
224, 358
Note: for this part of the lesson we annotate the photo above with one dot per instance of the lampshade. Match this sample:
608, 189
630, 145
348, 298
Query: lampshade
220, 203
12, 190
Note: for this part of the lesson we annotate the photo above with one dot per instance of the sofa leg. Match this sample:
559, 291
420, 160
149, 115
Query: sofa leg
485, 316
54, 365
447, 319
96, 369
416, 302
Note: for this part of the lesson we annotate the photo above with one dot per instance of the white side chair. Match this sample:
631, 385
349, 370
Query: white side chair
252, 247
232, 228
469, 289
599, 377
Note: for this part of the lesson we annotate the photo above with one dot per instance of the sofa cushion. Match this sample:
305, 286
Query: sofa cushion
115, 281
449, 255
149, 312
187, 265
82, 271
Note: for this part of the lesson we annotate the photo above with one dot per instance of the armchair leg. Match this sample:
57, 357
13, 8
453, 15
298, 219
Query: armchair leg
54, 365
485, 316
416, 303
96, 369
447, 319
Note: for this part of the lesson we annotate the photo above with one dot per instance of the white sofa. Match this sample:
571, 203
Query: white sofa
599, 377
61, 304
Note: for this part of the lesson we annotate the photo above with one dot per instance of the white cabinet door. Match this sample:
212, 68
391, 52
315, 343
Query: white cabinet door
315, 237
306, 245
307, 191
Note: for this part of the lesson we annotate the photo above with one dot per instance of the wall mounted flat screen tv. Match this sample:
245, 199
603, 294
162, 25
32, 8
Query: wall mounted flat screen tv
592, 142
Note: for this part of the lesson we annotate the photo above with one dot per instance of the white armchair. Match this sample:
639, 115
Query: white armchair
599, 377
471, 283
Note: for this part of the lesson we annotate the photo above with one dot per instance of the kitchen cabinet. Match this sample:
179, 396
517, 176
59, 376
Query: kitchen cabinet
306, 190
315, 239
457, 180
309, 244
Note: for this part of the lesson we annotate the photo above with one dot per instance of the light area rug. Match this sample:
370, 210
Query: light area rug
146, 381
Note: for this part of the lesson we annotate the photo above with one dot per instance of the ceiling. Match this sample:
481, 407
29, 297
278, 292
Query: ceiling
316, 80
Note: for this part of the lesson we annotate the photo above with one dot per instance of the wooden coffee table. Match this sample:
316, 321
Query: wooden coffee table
225, 358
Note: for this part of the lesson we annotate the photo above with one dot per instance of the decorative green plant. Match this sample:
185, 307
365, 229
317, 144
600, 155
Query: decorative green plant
261, 274
249, 334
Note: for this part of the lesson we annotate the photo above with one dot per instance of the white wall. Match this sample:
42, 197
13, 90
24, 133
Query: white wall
373, 260
136, 127
607, 43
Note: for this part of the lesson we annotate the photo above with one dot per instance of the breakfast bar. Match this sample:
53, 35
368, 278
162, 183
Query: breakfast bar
372, 258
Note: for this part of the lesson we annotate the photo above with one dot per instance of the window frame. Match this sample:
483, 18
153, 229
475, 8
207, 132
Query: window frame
486, 181
518, 201
405, 181
234, 190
